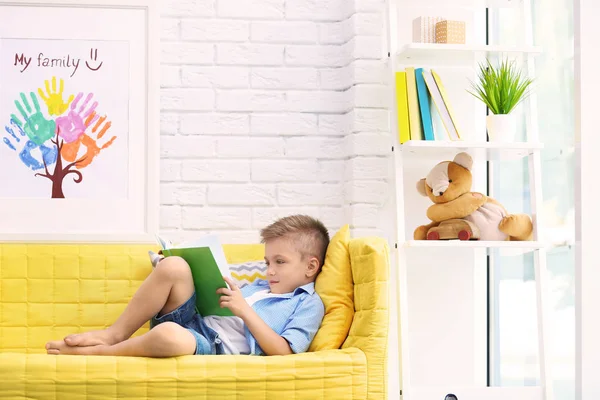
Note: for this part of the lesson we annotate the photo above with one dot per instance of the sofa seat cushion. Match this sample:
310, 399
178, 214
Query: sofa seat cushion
327, 374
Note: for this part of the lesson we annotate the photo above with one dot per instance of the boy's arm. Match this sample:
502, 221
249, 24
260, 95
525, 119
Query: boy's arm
304, 323
296, 336
269, 341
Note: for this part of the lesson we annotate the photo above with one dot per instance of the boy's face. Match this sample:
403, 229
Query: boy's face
286, 269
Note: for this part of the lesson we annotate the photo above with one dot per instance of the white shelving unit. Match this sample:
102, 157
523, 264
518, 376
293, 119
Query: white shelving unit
474, 4
424, 54
458, 52
475, 244
438, 150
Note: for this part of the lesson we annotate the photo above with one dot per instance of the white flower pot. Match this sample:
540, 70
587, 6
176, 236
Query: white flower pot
501, 127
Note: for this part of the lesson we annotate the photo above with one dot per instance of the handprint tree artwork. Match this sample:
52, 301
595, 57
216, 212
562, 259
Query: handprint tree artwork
58, 136
79, 123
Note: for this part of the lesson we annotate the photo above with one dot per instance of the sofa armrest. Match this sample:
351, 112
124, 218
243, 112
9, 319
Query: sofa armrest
370, 262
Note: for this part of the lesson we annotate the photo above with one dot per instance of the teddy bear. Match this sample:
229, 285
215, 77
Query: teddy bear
458, 213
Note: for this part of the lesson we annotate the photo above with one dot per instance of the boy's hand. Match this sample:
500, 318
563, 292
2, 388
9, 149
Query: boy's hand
233, 299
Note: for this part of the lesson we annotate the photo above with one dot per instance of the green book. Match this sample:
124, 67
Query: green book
207, 261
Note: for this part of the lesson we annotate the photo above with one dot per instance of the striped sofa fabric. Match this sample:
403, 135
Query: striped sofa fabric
246, 273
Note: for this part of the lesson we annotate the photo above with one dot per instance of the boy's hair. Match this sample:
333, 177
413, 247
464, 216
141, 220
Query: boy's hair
308, 234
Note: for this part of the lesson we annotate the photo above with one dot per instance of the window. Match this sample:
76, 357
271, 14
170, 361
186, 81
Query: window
513, 324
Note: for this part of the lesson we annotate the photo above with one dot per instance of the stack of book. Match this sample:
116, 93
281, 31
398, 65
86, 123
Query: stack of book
416, 90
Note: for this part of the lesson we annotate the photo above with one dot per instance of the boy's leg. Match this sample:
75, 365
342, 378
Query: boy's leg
167, 287
165, 340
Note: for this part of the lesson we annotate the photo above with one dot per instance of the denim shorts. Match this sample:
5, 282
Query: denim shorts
207, 340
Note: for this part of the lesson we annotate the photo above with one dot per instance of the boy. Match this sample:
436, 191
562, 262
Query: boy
276, 316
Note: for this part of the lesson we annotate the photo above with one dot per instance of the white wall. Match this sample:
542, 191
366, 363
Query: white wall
587, 120
272, 107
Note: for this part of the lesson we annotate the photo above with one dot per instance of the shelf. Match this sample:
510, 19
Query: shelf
532, 245
473, 4
457, 53
478, 393
498, 3
446, 150
506, 248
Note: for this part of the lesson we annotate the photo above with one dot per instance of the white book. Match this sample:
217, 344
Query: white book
210, 241
440, 105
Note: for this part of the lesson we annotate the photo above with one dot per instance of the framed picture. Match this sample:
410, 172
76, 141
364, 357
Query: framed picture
79, 120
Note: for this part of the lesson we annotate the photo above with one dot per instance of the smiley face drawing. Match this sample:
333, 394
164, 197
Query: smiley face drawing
94, 60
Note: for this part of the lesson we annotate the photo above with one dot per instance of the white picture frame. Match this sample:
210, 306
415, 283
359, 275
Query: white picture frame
134, 217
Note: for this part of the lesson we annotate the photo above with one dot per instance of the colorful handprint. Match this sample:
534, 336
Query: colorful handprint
36, 126
57, 148
72, 125
53, 99
48, 153
71, 150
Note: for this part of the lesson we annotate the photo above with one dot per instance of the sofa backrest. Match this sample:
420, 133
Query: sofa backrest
369, 258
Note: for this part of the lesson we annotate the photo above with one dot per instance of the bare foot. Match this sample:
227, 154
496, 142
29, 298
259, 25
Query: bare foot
92, 338
60, 347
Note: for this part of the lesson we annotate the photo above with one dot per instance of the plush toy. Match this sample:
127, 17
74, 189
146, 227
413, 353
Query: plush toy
461, 214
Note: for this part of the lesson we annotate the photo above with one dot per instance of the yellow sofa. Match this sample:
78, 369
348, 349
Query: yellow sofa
49, 291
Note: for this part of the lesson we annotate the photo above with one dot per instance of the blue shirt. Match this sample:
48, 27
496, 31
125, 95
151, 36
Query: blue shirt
295, 316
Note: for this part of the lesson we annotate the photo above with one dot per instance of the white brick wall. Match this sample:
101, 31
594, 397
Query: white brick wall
253, 9
272, 107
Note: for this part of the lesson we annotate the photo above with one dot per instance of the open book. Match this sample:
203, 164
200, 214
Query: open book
208, 264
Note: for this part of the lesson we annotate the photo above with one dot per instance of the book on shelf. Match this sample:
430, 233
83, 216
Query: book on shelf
424, 100
208, 265
441, 104
402, 107
414, 104
414, 111
446, 102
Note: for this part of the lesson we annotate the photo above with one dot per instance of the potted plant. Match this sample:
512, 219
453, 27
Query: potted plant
501, 89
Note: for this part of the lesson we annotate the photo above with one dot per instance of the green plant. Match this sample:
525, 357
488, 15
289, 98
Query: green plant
501, 88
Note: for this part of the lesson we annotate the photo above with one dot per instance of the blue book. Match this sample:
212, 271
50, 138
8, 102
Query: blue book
424, 105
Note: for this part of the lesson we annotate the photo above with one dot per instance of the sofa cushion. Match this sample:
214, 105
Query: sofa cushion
335, 286
370, 329
245, 273
246, 262
336, 374
241, 253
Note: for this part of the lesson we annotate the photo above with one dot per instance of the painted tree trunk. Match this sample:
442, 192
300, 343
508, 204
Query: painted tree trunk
60, 172
57, 178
